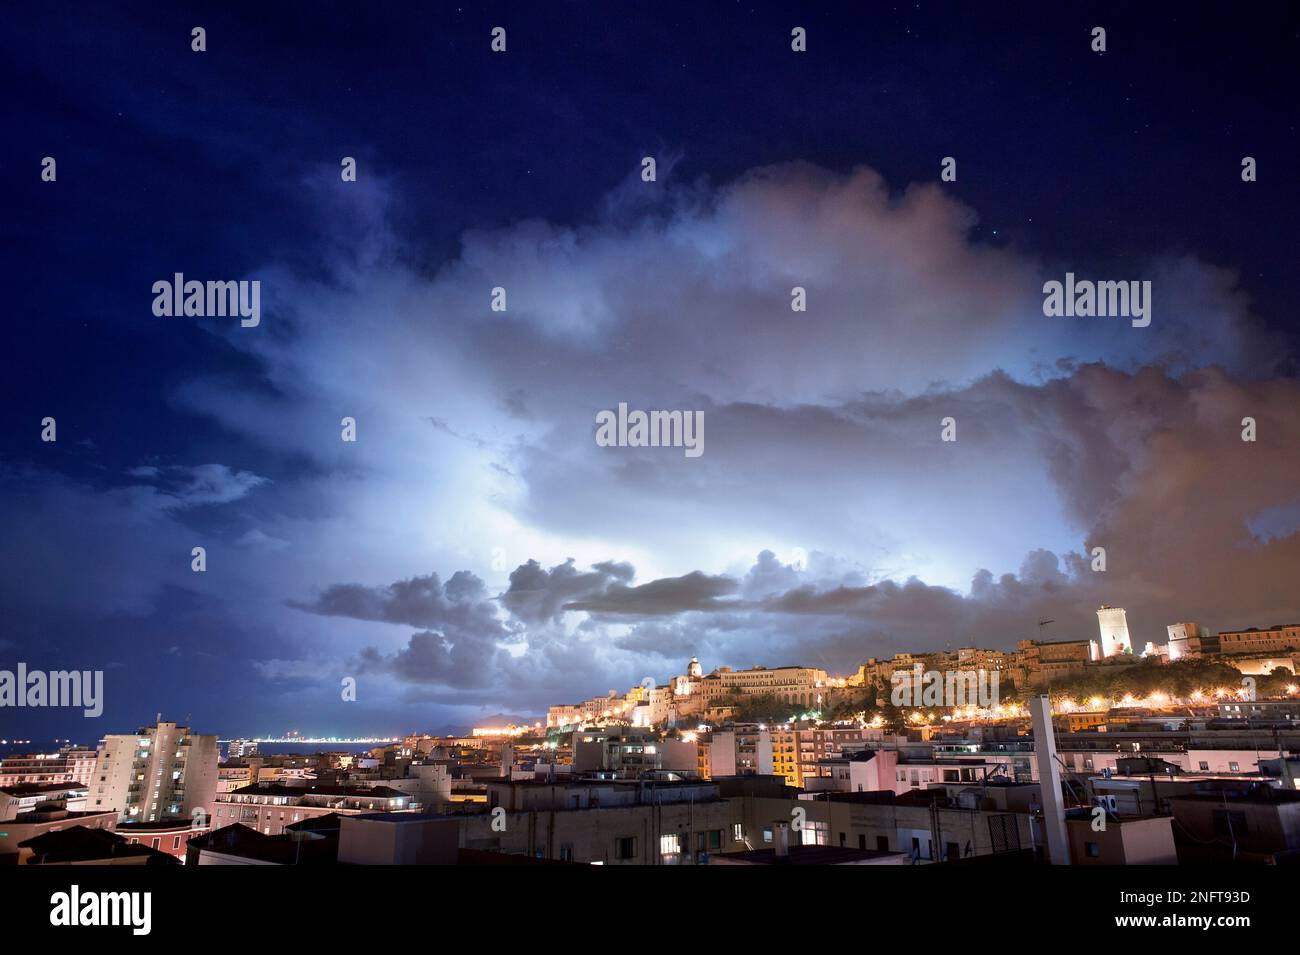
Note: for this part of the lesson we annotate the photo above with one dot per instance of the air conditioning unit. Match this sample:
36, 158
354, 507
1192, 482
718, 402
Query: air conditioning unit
1109, 803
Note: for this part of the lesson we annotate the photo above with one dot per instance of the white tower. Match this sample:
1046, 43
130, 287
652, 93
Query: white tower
1114, 631
694, 669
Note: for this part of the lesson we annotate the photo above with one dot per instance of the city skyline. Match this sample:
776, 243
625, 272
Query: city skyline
1252, 650
478, 548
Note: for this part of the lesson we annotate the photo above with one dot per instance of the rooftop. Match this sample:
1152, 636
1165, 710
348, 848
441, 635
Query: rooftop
808, 855
281, 789
1256, 795
35, 789
80, 844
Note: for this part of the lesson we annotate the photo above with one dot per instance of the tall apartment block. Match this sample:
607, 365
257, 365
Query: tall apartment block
162, 772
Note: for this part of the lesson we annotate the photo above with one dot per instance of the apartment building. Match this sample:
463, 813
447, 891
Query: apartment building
24, 798
170, 836
270, 807
30, 810
1257, 824
865, 771
659, 822
232, 776
744, 749
633, 753
1280, 712
68, 765
925, 826
160, 772
821, 742
1123, 840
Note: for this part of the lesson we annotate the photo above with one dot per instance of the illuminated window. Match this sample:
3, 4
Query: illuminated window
816, 834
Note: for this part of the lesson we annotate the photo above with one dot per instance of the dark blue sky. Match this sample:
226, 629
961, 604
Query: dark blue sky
225, 164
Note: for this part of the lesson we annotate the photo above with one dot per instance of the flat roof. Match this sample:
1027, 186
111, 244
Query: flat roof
809, 855
280, 789
396, 817
32, 789
1261, 796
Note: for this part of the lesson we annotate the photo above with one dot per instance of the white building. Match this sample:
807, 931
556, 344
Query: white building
239, 748
1114, 632
1179, 636
161, 772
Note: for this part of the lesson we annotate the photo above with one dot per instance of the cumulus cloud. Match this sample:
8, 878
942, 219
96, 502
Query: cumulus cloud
431, 657
538, 595
671, 595
459, 607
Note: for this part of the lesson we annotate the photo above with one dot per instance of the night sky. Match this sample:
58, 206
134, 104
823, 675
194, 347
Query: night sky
474, 552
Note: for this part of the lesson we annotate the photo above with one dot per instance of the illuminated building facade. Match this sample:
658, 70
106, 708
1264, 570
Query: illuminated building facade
162, 772
1277, 639
270, 807
692, 693
69, 765
1113, 624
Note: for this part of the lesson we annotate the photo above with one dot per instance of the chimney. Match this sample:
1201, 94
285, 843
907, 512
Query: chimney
781, 839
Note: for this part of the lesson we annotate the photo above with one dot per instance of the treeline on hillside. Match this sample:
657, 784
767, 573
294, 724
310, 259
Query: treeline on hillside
1181, 678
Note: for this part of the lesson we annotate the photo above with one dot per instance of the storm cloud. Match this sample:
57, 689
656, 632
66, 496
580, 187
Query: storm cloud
475, 546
